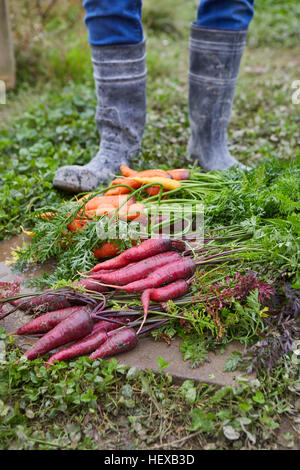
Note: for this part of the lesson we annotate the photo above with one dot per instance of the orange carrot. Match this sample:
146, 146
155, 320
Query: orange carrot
107, 250
152, 190
126, 171
122, 189
152, 174
107, 209
115, 201
47, 215
77, 224
128, 181
131, 212
117, 191
94, 203
180, 174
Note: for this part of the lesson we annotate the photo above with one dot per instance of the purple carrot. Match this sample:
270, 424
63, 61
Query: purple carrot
138, 270
90, 343
150, 247
76, 326
163, 294
80, 348
46, 322
181, 269
49, 302
92, 285
119, 341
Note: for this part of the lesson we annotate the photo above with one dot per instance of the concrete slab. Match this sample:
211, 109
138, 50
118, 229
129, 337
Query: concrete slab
12, 322
145, 355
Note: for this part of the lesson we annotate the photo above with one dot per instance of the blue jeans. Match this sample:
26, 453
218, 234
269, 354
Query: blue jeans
120, 21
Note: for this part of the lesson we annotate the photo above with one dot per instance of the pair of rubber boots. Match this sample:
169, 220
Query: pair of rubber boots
120, 79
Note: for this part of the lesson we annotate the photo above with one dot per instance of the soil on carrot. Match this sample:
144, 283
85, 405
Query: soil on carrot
48, 121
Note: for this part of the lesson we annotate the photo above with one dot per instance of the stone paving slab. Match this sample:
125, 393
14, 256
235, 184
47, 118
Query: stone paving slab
145, 355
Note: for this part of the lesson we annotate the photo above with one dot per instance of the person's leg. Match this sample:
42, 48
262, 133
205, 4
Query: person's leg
113, 21
217, 42
119, 65
225, 14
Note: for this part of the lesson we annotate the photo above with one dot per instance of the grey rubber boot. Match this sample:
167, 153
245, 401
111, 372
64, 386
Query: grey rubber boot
215, 57
120, 80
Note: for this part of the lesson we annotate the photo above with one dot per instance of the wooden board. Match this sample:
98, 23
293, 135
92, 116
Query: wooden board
7, 60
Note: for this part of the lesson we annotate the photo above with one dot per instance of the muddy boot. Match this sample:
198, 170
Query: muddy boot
120, 79
215, 57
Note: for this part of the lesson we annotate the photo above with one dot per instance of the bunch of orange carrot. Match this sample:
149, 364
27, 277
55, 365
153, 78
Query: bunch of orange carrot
118, 196
116, 201
123, 207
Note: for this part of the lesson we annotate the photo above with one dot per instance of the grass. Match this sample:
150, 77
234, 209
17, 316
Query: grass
49, 121
103, 405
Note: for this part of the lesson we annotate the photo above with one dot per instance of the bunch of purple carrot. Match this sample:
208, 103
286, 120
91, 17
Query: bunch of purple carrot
155, 268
